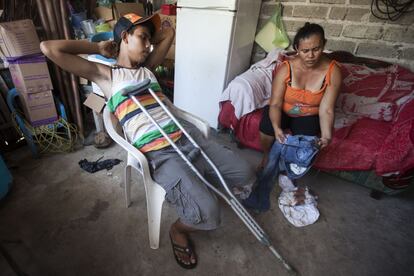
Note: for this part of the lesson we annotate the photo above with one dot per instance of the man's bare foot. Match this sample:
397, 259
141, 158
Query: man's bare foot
183, 248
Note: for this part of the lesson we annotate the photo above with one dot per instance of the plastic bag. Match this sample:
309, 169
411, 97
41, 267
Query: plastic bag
273, 33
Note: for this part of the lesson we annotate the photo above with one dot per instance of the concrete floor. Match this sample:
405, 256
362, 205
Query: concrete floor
61, 220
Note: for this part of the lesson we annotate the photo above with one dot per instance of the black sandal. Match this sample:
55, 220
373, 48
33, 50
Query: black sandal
189, 251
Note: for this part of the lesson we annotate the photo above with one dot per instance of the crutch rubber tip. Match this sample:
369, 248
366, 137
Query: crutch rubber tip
291, 270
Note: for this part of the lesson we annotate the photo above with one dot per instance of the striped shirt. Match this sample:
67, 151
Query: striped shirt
137, 127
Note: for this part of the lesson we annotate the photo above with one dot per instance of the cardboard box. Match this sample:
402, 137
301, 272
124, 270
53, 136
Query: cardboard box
30, 74
39, 107
104, 13
107, 14
120, 9
19, 38
95, 102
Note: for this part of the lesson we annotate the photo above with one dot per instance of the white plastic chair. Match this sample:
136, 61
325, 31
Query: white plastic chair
154, 192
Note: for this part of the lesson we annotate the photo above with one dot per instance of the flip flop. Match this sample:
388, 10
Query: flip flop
189, 250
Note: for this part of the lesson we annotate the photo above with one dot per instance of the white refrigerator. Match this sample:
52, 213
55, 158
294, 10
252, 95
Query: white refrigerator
214, 40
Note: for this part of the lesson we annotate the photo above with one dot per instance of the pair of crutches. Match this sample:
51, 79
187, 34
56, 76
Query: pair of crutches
231, 200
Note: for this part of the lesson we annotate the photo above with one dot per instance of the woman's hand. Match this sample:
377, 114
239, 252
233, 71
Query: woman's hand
324, 142
108, 48
280, 136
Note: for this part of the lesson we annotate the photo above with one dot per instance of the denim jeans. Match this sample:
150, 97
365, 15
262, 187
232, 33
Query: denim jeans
259, 199
298, 149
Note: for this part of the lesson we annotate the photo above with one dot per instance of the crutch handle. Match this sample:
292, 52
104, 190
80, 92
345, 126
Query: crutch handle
193, 154
137, 88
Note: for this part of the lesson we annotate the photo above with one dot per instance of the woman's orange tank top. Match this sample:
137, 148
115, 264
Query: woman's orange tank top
302, 102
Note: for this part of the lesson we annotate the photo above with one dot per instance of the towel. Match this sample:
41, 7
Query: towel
252, 89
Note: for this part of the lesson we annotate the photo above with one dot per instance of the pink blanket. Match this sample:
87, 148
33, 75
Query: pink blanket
374, 125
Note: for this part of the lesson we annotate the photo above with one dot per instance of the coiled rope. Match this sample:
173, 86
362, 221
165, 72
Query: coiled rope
390, 9
59, 136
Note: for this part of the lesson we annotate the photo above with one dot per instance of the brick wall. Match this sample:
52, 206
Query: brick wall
349, 25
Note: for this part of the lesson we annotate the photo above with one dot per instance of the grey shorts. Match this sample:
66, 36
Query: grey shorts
196, 205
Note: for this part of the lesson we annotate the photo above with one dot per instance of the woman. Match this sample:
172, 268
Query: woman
304, 91
196, 205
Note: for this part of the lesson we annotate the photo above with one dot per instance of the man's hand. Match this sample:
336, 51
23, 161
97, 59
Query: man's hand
161, 41
108, 48
164, 34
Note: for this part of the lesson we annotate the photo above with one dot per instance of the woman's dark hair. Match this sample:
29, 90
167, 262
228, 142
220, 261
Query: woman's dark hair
306, 31
147, 24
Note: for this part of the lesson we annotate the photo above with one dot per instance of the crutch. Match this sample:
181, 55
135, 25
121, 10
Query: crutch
248, 220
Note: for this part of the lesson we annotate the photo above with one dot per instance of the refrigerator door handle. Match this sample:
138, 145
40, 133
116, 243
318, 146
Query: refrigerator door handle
217, 8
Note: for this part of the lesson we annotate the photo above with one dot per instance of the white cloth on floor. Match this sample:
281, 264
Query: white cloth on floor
286, 183
252, 89
298, 215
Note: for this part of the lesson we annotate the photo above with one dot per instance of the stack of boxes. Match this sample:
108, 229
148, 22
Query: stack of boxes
21, 47
111, 15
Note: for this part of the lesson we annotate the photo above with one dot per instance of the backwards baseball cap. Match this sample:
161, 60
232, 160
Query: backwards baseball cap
126, 22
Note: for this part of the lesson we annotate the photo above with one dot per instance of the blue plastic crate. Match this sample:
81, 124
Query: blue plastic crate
5, 179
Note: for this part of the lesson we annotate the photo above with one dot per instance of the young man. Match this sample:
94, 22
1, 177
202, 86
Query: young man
196, 205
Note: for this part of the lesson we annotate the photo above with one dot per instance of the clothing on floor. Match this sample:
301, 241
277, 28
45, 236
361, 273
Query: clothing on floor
299, 150
286, 184
97, 165
298, 214
298, 208
196, 204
